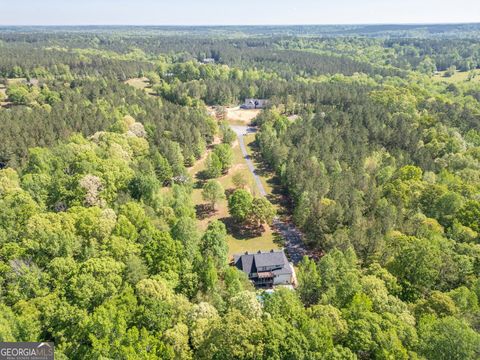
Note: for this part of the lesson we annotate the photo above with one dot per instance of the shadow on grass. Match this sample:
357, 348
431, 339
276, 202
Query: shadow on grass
202, 176
242, 231
200, 179
229, 192
198, 184
204, 211
278, 239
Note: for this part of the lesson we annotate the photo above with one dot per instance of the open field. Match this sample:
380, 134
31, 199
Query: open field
237, 116
16, 81
288, 235
237, 243
12, 81
459, 76
140, 84
3, 95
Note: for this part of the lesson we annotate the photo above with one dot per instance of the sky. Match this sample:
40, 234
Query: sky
239, 12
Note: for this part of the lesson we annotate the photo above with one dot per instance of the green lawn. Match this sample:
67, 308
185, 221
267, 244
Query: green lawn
140, 84
16, 81
264, 242
459, 76
235, 245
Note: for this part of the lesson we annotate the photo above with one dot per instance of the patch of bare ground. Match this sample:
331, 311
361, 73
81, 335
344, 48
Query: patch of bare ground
233, 114
243, 116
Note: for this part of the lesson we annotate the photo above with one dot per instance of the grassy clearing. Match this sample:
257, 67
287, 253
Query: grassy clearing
16, 81
265, 242
140, 84
459, 76
236, 244
237, 116
3, 95
269, 180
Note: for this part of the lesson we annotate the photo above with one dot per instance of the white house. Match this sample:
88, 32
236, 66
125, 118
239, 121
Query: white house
254, 104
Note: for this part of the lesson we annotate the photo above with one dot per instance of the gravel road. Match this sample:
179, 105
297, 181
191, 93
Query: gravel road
292, 236
241, 131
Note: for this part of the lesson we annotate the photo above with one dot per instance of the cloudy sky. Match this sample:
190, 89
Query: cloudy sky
216, 12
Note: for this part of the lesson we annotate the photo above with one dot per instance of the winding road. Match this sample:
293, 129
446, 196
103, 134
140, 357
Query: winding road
293, 237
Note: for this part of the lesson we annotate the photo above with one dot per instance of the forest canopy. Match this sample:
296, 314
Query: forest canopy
371, 136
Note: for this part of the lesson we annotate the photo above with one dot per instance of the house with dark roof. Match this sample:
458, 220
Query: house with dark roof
265, 269
254, 104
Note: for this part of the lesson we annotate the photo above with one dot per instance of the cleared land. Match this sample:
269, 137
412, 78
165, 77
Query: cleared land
459, 76
282, 224
266, 177
237, 116
237, 243
16, 80
140, 84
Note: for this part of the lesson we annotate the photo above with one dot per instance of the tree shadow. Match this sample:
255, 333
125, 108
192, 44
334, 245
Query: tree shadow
278, 239
198, 184
202, 175
7, 105
229, 192
201, 178
204, 211
242, 231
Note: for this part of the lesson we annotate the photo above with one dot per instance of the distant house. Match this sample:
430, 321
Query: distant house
254, 104
33, 82
208, 61
266, 269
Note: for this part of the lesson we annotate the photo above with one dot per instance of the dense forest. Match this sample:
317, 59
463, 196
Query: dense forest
372, 133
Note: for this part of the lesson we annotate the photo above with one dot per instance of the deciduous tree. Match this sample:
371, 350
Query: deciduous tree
213, 192
240, 204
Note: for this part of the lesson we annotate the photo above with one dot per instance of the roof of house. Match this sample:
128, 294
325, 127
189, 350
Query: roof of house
285, 270
270, 258
245, 262
253, 101
250, 262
